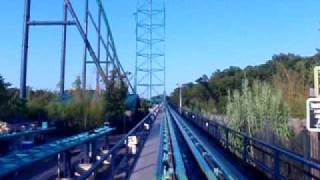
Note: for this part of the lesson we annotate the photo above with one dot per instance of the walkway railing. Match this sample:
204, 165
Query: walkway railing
20, 160
6, 136
123, 155
274, 161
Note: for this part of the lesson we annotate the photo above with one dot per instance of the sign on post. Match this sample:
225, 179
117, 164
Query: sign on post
316, 80
132, 144
313, 105
313, 114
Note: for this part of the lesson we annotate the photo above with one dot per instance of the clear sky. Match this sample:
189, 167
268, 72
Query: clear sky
202, 36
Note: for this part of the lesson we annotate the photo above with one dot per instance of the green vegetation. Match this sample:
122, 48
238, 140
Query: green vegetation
258, 110
115, 103
78, 110
10, 103
291, 74
258, 100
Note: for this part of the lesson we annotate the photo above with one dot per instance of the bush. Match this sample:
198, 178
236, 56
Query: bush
258, 110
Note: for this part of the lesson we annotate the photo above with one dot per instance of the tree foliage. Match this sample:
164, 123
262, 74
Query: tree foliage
292, 74
11, 105
115, 101
77, 109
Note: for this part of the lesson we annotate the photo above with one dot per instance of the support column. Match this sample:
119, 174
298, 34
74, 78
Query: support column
25, 45
63, 49
107, 59
64, 165
84, 68
94, 151
98, 51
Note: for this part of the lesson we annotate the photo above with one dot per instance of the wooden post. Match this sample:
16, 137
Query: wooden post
314, 140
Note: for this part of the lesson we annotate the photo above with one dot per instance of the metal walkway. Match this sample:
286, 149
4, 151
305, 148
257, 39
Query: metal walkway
147, 160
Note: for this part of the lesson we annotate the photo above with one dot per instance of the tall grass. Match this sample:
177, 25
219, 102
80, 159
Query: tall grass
259, 111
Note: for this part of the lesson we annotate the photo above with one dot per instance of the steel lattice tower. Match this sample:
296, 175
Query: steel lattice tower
150, 48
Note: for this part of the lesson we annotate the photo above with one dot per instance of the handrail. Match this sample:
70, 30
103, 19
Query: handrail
118, 145
277, 152
5, 136
21, 159
286, 152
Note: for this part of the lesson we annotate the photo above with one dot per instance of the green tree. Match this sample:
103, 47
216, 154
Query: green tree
116, 93
10, 103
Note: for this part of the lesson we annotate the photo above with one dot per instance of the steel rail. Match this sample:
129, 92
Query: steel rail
180, 169
106, 21
189, 138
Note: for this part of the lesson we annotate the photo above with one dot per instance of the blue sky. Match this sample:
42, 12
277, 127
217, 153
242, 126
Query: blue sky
202, 36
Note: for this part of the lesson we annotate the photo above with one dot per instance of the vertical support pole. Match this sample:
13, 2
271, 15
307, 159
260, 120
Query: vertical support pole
63, 48
276, 165
64, 164
227, 138
68, 164
107, 142
127, 158
316, 80
245, 149
164, 49
25, 45
136, 65
180, 97
59, 170
88, 152
107, 59
93, 151
98, 47
84, 68
150, 51
112, 167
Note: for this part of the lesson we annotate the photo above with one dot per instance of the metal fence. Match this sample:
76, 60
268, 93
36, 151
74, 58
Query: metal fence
119, 161
274, 161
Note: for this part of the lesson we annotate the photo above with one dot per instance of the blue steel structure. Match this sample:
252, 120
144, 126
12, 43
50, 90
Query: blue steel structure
105, 39
7, 136
119, 157
206, 160
13, 163
150, 48
170, 158
274, 161
165, 164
